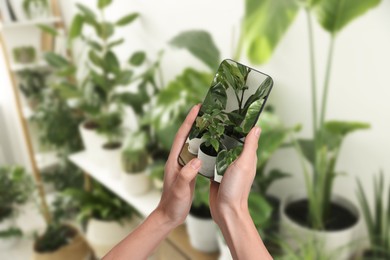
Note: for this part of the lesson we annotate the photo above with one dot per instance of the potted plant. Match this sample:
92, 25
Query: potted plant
135, 162
201, 229
377, 220
310, 214
15, 189
32, 83
108, 218
34, 9
61, 240
24, 54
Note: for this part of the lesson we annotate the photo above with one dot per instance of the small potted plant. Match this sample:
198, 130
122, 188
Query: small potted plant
34, 9
24, 54
108, 218
15, 189
377, 219
201, 229
32, 83
195, 139
135, 162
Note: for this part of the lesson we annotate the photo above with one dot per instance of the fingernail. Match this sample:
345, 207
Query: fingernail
257, 131
195, 164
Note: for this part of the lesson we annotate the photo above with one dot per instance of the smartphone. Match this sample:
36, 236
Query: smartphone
231, 108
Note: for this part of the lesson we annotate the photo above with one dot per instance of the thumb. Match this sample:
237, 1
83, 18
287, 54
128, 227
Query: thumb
188, 173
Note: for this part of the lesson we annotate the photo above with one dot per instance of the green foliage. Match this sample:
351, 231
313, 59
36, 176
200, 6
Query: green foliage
100, 203
32, 83
201, 193
76, 26
135, 156
214, 128
54, 237
48, 29
265, 23
137, 58
307, 250
260, 210
10, 232
377, 218
251, 116
109, 126
103, 3
201, 45
64, 176
127, 19
227, 157
334, 15
15, 189
24, 54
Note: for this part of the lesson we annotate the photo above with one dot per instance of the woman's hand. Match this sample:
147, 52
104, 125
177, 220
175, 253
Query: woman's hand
179, 182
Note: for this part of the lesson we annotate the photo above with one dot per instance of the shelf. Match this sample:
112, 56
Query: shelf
145, 203
33, 22
18, 66
46, 159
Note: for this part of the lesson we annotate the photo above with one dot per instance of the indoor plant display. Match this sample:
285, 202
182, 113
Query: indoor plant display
310, 214
135, 162
109, 219
15, 189
377, 219
24, 54
201, 229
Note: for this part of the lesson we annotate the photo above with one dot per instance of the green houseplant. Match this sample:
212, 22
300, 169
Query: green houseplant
24, 54
32, 83
108, 218
34, 9
14, 192
377, 219
323, 149
135, 162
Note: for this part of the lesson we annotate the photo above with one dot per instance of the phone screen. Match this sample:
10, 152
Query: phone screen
229, 111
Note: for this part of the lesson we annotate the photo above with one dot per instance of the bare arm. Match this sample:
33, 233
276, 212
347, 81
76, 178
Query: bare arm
175, 203
229, 204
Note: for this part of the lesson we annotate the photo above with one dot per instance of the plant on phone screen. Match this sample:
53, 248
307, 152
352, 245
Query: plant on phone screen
214, 129
227, 157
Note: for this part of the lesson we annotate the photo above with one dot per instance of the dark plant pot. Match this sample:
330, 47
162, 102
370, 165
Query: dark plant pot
340, 229
208, 156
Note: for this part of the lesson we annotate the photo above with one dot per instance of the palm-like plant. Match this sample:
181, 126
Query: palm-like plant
260, 40
377, 218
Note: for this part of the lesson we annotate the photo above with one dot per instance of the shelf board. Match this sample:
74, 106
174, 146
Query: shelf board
19, 66
144, 203
46, 159
34, 22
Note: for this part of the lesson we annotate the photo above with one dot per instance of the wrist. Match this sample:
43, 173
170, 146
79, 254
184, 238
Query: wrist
163, 219
232, 214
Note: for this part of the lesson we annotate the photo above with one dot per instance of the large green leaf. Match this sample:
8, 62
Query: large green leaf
48, 29
103, 3
137, 58
343, 128
127, 19
265, 23
76, 26
308, 149
334, 15
201, 45
251, 115
55, 60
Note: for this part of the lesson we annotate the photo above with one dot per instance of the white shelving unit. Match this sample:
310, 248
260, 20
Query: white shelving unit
46, 160
34, 22
145, 203
18, 67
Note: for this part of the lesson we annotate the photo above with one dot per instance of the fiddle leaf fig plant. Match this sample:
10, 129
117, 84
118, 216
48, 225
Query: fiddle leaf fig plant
260, 40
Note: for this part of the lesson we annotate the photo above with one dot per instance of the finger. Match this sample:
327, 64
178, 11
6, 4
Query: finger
187, 175
248, 154
183, 132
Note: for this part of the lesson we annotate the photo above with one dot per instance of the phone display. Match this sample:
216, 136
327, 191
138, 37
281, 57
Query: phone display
229, 111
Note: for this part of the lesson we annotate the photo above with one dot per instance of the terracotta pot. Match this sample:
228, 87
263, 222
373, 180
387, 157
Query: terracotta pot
77, 249
333, 241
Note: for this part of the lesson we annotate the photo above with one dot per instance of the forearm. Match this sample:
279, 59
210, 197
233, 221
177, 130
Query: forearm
143, 240
241, 236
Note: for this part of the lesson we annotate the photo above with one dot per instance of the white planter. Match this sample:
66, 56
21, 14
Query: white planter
341, 241
136, 183
202, 234
110, 159
193, 145
91, 139
208, 164
217, 177
224, 251
6, 243
104, 235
